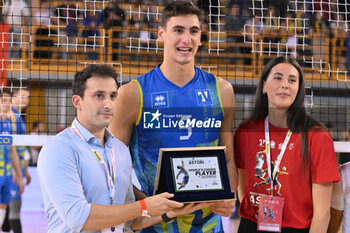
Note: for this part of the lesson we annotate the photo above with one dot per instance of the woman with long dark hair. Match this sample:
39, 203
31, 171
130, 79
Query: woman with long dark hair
284, 156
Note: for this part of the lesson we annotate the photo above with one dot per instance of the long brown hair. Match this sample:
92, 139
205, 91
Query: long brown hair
298, 120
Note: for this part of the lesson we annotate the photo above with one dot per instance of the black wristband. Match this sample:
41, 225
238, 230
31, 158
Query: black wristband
166, 219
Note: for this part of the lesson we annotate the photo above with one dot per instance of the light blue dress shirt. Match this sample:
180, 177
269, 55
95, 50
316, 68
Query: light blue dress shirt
72, 178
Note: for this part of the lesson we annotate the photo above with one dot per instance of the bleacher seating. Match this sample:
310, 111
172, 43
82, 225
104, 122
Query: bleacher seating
136, 48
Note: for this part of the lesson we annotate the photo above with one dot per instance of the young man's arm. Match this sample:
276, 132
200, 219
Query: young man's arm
17, 168
241, 184
126, 114
27, 174
226, 131
102, 216
127, 110
225, 208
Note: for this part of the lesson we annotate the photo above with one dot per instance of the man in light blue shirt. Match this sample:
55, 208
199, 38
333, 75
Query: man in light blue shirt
85, 173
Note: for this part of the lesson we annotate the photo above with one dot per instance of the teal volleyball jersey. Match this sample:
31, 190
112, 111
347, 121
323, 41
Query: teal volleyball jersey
5, 150
173, 116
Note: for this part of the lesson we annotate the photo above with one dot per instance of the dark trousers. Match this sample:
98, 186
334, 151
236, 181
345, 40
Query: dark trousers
247, 226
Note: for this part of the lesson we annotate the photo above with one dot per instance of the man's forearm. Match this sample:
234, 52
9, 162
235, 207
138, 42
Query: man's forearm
102, 217
16, 163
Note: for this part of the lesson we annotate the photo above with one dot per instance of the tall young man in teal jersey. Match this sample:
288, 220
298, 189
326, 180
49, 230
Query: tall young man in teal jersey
8, 153
20, 100
177, 105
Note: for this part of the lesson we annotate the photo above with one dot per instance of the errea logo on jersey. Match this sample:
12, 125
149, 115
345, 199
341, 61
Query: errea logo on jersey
160, 99
151, 120
203, 97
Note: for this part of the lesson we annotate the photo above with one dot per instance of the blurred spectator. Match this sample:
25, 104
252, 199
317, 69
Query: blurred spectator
114, 16
319, 32
302, 20
331, 130
234, 22
211, 9
345, 157
91, 21
67, 16
204, 34
271, 26
92, 17
288, 32
255, 25
42, 15
319, 25
4, 31
17, 14
66, 20
241, 5
234, 25
38, 128
146, 35
9, 126
339, 28
323, 7
20, 100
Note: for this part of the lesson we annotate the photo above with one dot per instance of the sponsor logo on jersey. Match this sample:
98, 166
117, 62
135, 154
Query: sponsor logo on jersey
203, 97
6, 140
160, 99
151, 120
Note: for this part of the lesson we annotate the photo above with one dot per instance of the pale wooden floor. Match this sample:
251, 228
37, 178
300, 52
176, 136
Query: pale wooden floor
35, 222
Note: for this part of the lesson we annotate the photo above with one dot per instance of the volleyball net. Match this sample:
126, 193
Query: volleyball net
43, 43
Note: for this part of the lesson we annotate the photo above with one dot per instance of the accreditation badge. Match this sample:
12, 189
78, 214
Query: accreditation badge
270, 213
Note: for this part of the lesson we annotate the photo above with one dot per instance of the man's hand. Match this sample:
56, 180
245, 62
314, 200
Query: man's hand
223, 208
20, 183
160, 204
187, 209
28, 177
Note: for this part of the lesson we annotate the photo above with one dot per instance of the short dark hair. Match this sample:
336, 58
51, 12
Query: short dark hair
177, 8
17, 90
35, 124
98, 70
6, 90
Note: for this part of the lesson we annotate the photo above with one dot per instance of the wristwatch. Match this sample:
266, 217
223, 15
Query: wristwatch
166, 219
